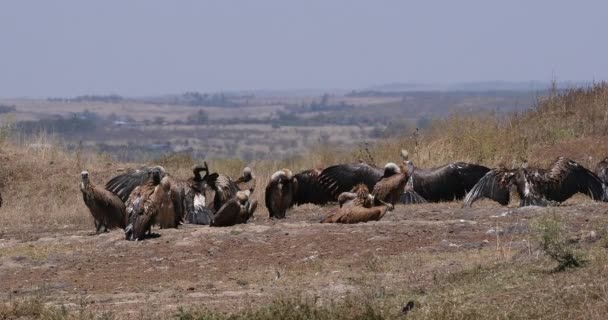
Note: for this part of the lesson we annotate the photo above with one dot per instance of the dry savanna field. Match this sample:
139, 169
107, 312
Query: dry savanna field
428, 261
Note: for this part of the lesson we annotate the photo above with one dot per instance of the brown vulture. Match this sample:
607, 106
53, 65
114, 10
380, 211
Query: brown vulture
107, 209
390, 187
358, 209
285, 190
144, 204
236, 211
538, 187
246, 181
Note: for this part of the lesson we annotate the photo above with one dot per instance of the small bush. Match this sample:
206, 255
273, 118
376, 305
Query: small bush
553, 241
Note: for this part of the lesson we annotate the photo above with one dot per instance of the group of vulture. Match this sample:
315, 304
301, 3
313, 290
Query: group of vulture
350, 185
137, 200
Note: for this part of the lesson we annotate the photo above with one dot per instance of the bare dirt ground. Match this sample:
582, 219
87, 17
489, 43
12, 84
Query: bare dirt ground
228, 269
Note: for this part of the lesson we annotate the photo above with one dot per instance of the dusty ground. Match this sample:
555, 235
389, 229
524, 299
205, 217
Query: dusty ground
228, 269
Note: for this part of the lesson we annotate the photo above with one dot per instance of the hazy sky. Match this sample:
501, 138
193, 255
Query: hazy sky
67, 48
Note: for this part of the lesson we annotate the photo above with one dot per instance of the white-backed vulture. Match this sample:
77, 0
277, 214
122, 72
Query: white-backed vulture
107, 209
123, 184
357, 210
144, 204
246, 181
538, 186
236, 211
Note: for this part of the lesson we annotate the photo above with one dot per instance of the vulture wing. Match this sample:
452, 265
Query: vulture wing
344, 177
123, 184
470, 174
310, 190
493, 185
227, 215
567, 178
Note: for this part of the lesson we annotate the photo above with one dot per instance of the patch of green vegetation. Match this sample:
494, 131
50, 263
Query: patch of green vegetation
551, 235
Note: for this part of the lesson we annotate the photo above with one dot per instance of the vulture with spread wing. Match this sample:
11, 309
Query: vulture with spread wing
357, 209
107, 209
538, 186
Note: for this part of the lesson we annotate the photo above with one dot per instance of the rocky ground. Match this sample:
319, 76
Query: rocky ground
228, 269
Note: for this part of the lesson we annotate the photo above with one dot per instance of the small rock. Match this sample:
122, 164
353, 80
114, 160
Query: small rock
495, 231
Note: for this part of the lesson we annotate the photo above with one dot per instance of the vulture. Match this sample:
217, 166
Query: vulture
0, 200
538, 187
237, 210
358, 209
246, 181
284, 190
280, 192
144, 205
390, 187
107, 209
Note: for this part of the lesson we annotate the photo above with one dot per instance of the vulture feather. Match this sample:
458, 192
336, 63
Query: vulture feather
107, 209
358, 209
539, 186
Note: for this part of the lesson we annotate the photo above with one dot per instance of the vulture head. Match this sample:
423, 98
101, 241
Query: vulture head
280, 193
391, 169
247, 173
85, 179
156, 175
243, 197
